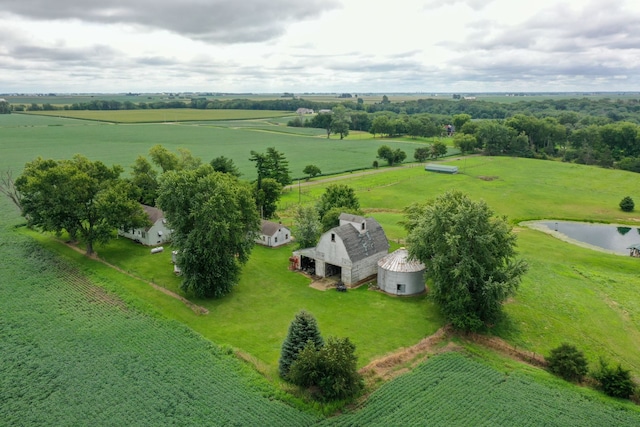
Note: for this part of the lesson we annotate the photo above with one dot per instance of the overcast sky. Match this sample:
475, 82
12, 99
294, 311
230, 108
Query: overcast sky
300, 46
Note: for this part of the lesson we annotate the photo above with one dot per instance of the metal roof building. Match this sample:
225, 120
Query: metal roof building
398, 275
432, 167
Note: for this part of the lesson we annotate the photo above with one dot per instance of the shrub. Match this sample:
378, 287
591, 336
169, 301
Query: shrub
332, 369
627, 204
567, 362
615, 382
303, 328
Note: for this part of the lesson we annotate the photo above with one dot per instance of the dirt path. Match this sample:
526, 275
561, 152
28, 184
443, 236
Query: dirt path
404, 359
196, 308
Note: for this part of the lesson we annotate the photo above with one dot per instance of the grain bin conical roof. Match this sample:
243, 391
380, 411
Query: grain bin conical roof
399, 261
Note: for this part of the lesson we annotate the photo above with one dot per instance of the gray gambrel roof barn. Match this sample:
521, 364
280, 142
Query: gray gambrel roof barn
350, 251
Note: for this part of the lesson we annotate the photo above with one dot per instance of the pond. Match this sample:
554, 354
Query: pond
608, 237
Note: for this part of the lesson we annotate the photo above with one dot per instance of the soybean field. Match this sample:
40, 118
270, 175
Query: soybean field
454, 390
75, 354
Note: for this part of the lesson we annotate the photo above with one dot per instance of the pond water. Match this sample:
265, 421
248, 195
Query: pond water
608, 237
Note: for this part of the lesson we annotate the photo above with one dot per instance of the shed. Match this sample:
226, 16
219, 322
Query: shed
398, 275
432, 167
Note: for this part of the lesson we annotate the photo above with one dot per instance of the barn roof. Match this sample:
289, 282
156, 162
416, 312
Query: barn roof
350, 217
154, 214
399, 261
360, 245
269, 228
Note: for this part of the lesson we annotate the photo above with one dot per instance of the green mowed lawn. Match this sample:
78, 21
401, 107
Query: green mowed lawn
255, 317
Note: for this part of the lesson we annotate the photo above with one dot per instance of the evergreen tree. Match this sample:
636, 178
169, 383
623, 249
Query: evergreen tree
302, 329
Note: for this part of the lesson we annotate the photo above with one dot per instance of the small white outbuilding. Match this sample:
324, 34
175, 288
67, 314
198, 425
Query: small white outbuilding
398, 275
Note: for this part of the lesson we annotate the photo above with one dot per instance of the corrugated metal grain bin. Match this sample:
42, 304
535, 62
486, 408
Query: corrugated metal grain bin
398, 275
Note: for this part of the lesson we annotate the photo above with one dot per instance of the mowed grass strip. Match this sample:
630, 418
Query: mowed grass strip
162, 115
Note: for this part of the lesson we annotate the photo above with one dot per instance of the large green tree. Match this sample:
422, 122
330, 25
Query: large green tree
272, 164
341, 121
470, 257
145, 179
308, 226
215, 222
303, 329
84, 198
225, 165
391, 156
338, 196
267, 197
5, 107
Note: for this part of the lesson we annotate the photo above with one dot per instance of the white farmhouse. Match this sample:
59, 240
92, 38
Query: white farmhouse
350, 251
156, 234
273, 234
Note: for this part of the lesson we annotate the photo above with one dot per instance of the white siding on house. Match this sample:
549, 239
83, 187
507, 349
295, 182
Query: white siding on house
273, 234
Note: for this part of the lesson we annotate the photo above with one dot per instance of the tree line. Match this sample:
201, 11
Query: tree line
603, 109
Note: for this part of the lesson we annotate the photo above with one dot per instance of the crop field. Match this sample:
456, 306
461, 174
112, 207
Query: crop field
162, 115
75, 354
49, 137
455, 390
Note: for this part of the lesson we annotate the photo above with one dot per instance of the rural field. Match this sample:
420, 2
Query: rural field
96, 331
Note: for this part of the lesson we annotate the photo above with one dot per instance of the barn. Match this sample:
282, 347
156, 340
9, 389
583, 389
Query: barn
349, 252
398, 275
273, 234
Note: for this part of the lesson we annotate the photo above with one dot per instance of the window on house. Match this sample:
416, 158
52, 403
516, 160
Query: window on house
276, 240
363, 225
333, 237
144, 235
286, 236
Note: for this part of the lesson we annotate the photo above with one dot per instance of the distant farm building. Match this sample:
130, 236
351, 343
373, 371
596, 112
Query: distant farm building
350, 252
432, 167
156, 234
304, 111
273, 234
398, 275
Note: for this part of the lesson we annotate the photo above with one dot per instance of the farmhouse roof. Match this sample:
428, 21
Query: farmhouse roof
154, 214
360, 245
269, 228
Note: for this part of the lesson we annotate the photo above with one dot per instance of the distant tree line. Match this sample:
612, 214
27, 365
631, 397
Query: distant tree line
603, 109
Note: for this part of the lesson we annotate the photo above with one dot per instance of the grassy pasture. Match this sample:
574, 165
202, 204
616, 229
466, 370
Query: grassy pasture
162, 115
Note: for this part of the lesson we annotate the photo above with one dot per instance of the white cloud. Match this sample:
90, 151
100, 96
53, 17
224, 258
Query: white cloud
318, 45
